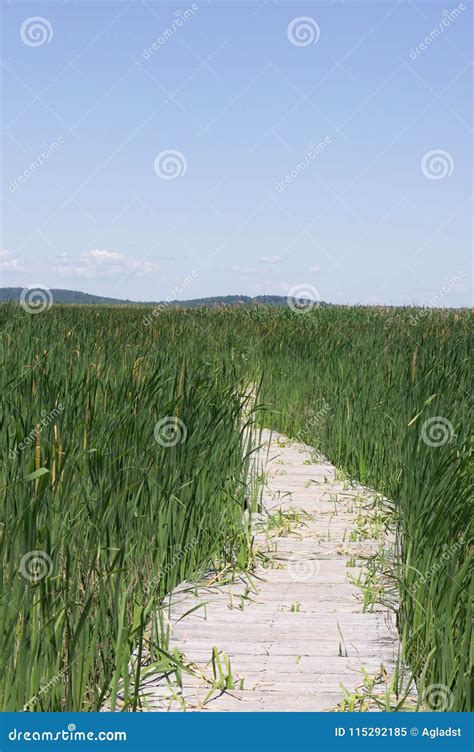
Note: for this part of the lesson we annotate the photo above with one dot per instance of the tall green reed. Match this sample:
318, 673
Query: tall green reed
124, 473
384, 393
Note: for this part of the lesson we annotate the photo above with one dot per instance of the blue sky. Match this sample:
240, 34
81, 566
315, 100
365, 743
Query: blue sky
332, 152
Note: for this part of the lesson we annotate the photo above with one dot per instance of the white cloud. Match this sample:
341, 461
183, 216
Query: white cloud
315, 268
8, 263
141, 266
270, 259
104, 255
103, 263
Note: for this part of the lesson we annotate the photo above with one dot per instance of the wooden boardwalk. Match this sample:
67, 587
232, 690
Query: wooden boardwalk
289, 637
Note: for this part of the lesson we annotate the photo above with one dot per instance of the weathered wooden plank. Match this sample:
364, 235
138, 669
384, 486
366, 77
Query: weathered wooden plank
296, 631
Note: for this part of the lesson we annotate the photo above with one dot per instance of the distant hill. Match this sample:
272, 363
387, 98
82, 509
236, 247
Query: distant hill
75, 297
63, 296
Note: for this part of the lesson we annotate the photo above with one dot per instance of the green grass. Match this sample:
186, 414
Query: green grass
123, 518
116, 518
373, 380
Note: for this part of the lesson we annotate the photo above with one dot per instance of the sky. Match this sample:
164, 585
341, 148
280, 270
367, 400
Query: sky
156, 150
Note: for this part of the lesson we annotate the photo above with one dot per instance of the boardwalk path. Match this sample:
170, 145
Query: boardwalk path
297, 630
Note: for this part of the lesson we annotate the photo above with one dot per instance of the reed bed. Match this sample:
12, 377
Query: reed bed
104, 513
384, 393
